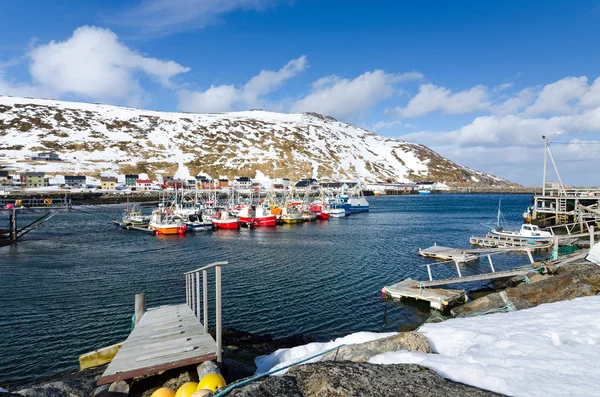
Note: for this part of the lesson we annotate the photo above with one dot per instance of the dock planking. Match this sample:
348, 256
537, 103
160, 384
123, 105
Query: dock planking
447, 253
438, 298
166, 337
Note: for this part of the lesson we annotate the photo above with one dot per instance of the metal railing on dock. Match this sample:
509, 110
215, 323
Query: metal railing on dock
192, 299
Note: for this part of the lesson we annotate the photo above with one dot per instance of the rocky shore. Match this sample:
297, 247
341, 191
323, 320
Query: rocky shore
345, 371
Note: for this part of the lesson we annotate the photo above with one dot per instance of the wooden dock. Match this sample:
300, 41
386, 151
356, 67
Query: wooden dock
166, 337
478, 277
447, 253
171, 336
438, 298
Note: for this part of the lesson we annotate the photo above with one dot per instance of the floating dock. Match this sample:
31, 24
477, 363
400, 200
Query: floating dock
447, 253
438, 298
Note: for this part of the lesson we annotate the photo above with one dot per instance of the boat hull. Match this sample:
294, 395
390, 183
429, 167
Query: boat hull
229, 224
322, 215
291, 219
517, 235
168, 229
260, 221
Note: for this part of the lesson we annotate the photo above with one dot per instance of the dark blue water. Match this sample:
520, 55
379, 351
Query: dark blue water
69, 288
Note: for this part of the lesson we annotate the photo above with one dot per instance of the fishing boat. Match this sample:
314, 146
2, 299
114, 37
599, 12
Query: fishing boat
424, 191
291, 214
337, 213
163, 223
530, 232
133, 216
527, 231
356, 202
257, 215
195, 223
308, 215
223, 220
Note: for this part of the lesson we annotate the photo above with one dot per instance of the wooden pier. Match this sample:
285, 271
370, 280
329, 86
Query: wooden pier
171, 336
446, 253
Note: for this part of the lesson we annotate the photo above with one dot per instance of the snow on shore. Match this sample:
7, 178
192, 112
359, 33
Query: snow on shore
549, 350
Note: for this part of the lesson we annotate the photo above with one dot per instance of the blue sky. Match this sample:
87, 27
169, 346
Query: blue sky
479, 83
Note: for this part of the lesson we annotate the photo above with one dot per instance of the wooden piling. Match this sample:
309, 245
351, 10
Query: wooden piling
140, 307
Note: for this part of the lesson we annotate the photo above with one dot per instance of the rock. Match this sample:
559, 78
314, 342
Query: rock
271, 386
235, 370
76, 384
344, 378
362, 352
118, 389
569, 282
101, 391
207, 367
336, 379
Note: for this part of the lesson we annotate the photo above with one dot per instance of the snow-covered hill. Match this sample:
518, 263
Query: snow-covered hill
92, 138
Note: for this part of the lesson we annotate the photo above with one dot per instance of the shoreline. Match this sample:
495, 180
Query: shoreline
555, 284
101, 198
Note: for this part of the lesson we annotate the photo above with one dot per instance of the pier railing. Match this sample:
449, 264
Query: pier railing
193, 300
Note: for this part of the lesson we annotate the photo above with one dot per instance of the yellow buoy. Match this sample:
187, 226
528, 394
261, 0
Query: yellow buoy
201, 393
187, 389
163, 392
211, 382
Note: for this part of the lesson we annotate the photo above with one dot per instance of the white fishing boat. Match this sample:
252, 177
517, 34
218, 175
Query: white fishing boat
531, 232
527, 231
196, 223
337, 213
134, 216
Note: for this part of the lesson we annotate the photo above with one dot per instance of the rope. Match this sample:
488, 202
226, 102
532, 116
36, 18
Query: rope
133, 319
257, 377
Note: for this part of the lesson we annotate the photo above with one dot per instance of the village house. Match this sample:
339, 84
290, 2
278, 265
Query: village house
306, 184
243, 182
143, 184
46, 156
5, 179
34, 179
76, 181
131, 179
108, 183
203, 182
222, 183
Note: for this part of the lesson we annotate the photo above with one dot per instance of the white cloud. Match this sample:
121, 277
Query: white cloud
432, 98
515, 104
382, 125
340, 97
169, 16
94, 65
558, 97
592, 97
227, 97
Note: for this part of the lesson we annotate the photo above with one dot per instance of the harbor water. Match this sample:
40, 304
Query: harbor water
69, 287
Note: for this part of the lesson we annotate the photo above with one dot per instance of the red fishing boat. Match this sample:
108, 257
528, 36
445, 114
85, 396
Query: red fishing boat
257, 215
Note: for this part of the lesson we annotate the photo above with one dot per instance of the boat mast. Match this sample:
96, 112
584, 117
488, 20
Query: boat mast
499, 213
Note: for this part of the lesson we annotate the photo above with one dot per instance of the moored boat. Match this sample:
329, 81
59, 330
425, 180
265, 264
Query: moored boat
166, 224
291, 214
531, 232
195, 223
257, 215
224, 220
